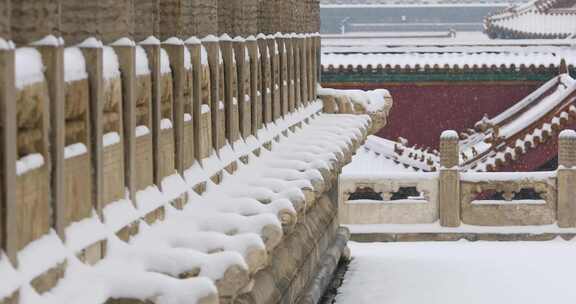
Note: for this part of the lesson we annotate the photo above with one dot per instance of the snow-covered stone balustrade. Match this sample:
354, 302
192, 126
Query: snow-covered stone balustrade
375, 103
456, 197
191, 171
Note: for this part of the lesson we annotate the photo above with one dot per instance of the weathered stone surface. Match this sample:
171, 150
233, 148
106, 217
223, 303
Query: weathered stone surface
108, 20
32, 20
5, 31
204, 19
509, 213
146, 19
238, 17
387, 211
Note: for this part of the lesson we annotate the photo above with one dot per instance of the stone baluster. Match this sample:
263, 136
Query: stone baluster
53, 58
231, 113
291, 68
94, 66
195, 48
175, 49
296, 46
265, 79
283, 82
127, 64
255, 95
274, 76
214, 56
8, 207
566, 212
449, 180
152, 48
243, 87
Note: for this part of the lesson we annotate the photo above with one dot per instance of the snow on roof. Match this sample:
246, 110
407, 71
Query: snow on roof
496, 141
537, 23
540, 58
380, 155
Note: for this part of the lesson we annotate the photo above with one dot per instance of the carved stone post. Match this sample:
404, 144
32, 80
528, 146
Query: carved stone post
127, 61
310, 73
53, 58
8, 207
283, 73
212, 47
195, 47
566, 212
265, 88
243, 90
256, 99
296, 46
317, 62
449, 180
94, 66
291, 67
231, 112
274, 76
152, 48
304, 68
175, 49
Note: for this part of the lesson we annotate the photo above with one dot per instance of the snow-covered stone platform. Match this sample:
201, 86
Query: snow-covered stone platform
460, 272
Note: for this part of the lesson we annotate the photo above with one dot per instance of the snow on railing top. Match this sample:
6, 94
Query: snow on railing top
567, 134
371, 101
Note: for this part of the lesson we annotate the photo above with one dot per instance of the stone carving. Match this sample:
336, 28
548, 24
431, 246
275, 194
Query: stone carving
508, 212
423, 209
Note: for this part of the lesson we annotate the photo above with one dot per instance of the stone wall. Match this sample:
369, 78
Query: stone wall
109, 20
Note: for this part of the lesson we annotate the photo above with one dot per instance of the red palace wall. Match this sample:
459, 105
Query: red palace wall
422, 111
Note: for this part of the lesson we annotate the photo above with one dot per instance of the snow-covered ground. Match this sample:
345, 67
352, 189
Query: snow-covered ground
460, 272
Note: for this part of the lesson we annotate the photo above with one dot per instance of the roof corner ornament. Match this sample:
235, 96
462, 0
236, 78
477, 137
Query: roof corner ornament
563, 67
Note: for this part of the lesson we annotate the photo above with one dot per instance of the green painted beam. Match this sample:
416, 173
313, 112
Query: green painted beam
381, 77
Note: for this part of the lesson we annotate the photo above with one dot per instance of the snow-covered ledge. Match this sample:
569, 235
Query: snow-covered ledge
375, 103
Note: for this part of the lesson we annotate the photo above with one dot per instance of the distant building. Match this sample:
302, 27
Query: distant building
538, 19
345, 16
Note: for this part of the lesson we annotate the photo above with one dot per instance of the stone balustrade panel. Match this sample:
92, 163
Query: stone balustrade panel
375, 200
508, 211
